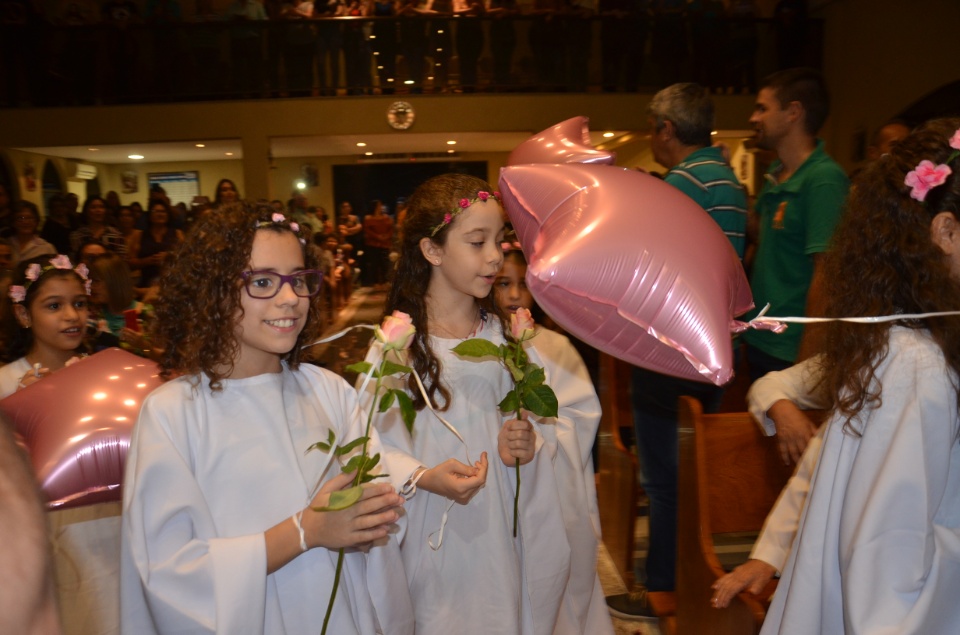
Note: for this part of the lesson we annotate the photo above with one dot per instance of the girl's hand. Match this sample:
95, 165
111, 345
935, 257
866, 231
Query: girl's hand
455, 480
33, 377
366, 520
516, 440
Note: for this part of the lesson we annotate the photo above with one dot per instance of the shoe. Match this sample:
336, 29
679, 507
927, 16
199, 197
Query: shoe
631, 606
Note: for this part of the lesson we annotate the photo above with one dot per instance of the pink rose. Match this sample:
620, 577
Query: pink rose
496, 195
396, 332
955, 140
294, 227
278, 217
464, 203
483, 195
61, 262
926, 176
82, 271
447, 218
521, 325
17, 293
33, 272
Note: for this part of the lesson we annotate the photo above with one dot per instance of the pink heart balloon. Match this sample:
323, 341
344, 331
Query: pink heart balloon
76, 425
566, 142
630, 265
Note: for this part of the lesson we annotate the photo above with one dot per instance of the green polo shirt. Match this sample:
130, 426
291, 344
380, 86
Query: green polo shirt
797, 219
706, 177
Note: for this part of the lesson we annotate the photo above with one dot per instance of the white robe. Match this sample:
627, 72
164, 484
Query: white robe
878, 547
482, 580
207, 474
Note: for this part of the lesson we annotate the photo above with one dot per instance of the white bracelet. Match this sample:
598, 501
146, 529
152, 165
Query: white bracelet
296, 523
410, 487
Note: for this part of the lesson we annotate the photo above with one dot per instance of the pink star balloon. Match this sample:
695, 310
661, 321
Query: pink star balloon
76, 425
566, 142
630, 265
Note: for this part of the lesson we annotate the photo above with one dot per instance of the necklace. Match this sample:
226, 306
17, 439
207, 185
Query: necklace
476, 326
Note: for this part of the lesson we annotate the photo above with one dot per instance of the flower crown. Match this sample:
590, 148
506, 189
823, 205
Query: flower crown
927, 176
18, 293
279, 220
463, 204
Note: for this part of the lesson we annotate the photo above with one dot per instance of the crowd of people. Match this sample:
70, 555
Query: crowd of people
99, 52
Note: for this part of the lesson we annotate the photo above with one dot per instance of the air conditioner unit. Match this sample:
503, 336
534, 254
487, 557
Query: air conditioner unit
85, 171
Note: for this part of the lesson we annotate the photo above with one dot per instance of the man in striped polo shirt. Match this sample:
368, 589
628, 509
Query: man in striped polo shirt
681, 120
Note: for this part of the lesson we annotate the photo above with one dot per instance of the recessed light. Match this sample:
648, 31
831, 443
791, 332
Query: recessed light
409, 81
369, 154
714, 132
94, 149
607, 134
229, 154
451, 151
135, 157
451, 143
201, 145
361, 144
301, 185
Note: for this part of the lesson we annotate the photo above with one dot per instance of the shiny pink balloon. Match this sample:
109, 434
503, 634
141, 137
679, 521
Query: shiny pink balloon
566, 142
76, 425
630, 265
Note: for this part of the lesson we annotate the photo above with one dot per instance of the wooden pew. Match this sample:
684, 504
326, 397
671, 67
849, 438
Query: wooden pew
730, 478
617, 488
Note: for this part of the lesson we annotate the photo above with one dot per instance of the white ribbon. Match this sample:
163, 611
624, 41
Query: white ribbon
423, 392
778, 324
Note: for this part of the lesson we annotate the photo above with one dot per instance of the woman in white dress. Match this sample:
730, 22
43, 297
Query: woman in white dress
878, 546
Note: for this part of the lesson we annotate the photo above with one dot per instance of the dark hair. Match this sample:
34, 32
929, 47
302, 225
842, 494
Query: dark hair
806, 86
216, 194
166, 208
199, 298
27, 205
114, 272
16, 340
84, 211
428, 205
690, 108
884, 262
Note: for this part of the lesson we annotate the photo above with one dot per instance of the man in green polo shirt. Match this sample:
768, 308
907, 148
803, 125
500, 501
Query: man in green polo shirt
797, 210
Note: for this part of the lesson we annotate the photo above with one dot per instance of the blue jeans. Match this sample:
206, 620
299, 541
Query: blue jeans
655, 418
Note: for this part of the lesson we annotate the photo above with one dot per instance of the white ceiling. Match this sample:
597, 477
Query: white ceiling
308, 146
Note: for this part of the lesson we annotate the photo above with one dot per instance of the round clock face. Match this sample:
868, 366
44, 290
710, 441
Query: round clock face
400, 115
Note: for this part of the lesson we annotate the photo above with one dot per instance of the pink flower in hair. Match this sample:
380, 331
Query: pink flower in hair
496, 195
447, 218
278, 217
17, 293
61, 262
87, 285
925, 177
955, 140
464, 203
294, 227
82, 271
33, 272
483, 196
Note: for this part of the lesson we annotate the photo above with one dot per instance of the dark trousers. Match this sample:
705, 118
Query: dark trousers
655, 415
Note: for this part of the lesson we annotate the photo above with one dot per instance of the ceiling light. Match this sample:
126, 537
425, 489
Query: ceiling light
361, 144
451, 151
135, 157
409, 81
201, 145
301, 185
714, 132
608, 134
369, 154
451, 143
229, 154
94, 149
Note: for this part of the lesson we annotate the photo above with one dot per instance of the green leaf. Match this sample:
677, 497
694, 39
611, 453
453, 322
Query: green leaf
341, 499
386, 401
355, 464
407, 412
366, 478
541, 401
320, 445
346, 449
360, 367
534, 375
372, 462
393, 368
514, 370
477, 347
510, 403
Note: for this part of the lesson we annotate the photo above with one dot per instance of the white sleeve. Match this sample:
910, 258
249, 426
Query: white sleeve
177, 574
780, 528
797, 384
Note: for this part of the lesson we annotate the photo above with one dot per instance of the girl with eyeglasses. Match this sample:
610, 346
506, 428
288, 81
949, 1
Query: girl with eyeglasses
221, 532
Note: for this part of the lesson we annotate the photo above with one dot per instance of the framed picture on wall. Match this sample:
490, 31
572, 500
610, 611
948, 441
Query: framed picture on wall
129, 181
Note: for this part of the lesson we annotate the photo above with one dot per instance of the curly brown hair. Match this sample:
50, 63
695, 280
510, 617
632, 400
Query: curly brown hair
883, 261
199, 300
426, 209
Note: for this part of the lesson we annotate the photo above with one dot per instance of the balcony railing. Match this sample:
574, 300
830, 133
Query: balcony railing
45, 65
